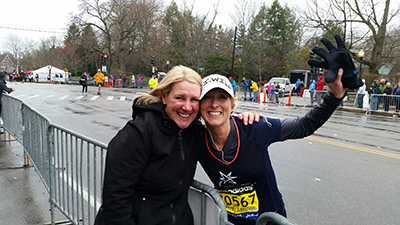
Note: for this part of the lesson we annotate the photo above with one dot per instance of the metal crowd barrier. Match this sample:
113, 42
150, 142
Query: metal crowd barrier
307, 95
385, 102
71, 167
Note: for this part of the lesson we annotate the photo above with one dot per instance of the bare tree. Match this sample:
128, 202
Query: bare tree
365, 25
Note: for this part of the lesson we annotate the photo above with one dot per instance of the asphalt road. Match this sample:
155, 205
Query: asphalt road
348, 172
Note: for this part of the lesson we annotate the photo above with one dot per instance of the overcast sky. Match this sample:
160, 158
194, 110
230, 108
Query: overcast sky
19, 17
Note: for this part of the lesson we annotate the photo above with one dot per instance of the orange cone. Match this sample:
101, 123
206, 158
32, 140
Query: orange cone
290, 97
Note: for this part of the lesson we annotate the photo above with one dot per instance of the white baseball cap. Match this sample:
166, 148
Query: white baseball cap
216, 81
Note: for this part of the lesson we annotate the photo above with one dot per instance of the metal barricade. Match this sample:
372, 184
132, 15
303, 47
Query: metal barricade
273, 217
78, 173
71, 167
385, 102
12, 116
315, 96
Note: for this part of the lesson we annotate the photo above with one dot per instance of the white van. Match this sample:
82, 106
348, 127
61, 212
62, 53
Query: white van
284, 83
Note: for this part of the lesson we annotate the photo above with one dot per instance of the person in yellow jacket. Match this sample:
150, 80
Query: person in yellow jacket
99, 76
153, 82
254, 87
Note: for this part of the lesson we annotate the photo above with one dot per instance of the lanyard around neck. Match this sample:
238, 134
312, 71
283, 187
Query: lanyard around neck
237, 150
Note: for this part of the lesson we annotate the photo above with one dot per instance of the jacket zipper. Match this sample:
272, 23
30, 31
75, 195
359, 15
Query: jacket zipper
182, 157
173, 217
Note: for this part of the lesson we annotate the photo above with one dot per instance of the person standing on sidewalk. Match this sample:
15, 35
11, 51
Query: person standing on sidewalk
319, 88
361, 94
312, 91
153, 82
99, 76
396, 92
3, 88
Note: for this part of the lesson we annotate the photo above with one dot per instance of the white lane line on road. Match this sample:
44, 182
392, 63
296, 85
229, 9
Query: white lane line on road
110, 98
79, 97
95, 97
34, 96
50, 96
122, 98
19, 96
85, 193
64, 97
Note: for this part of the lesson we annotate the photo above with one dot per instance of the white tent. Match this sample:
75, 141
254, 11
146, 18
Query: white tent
56, 74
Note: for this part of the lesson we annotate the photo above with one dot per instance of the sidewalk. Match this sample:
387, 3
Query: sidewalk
24, 200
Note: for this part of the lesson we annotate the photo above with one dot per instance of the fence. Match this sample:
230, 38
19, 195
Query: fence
71, 166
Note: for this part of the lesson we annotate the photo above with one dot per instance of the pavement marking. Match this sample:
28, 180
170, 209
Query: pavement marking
79, 97
361, 149
122, 98
34, 96
64, 97
95, 97
19, 96
50, 96
109, 98
85, 193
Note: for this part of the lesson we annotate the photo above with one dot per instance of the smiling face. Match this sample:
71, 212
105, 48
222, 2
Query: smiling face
182, 103
216, 108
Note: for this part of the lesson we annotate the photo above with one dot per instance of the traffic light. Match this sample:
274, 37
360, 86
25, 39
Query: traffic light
105, 59
102, 58
153, 60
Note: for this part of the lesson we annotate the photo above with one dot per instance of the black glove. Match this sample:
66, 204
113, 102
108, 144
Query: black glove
333, 60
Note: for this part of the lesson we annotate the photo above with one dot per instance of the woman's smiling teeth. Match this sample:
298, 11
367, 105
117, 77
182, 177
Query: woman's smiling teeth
184, 115
215, 113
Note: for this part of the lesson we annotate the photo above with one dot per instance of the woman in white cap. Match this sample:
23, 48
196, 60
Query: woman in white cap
236, 158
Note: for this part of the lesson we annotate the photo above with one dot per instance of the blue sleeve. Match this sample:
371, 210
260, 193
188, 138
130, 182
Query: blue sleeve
264, 133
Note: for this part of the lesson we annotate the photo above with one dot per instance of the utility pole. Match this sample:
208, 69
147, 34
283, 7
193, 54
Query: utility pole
233, 52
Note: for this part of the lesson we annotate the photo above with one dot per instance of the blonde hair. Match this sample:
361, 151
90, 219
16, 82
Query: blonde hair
176, 74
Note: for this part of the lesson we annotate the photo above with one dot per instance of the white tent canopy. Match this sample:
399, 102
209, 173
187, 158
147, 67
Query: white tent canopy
56, 74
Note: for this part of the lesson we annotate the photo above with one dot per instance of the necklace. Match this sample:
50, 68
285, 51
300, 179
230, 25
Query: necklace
221, 150
216, 146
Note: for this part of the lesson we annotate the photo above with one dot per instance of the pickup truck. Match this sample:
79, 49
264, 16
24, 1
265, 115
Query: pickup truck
284, 83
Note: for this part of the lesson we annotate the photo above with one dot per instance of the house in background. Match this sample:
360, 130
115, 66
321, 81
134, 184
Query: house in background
6, 63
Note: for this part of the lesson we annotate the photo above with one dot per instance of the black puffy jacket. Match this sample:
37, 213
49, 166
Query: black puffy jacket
149, 168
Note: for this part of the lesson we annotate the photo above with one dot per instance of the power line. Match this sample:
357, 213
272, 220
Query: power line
41, 30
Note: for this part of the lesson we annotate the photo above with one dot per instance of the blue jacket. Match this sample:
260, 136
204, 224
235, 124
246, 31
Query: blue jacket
245, 85
298, 83
312, 86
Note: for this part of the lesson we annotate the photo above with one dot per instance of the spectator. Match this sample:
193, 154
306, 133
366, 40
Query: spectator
234, 85
99, 76
83, 82
298, 87
319, 87
254, 88
37, 77
396, 92
3, 88
360, 95
375, 91
245, 87
311, 89
133, 80
387, 99
112, 78
277, 91
141, 81
153, 82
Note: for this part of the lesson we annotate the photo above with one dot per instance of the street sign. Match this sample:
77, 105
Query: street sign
65, 70
104, 68
201, 68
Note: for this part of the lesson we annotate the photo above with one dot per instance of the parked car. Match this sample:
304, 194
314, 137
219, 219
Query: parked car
284, 84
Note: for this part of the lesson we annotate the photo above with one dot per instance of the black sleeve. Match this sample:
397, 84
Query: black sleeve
3, 87
293, 128
127, 156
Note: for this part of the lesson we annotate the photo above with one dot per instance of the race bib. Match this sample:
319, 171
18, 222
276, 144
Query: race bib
241, 201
